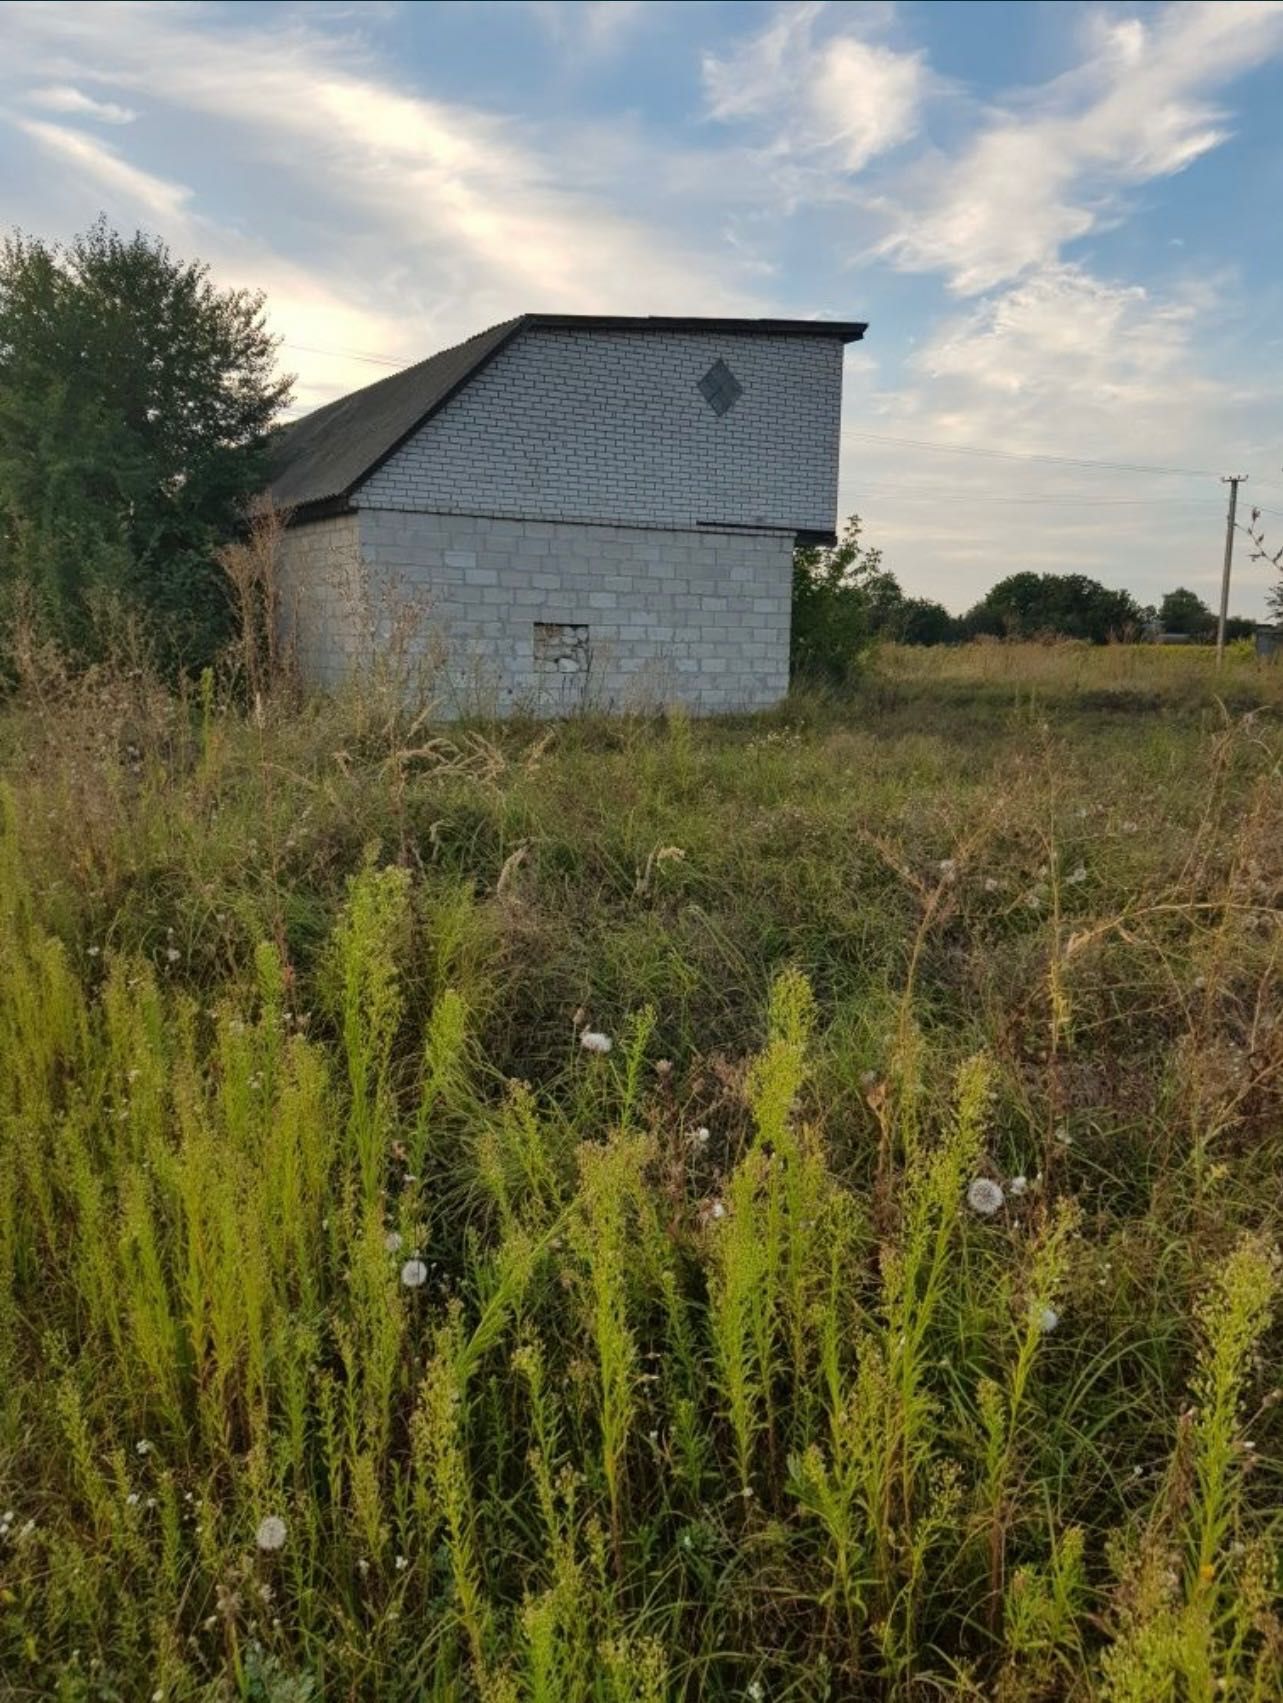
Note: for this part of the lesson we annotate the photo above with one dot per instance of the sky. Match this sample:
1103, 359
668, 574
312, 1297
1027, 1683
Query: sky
1061, 222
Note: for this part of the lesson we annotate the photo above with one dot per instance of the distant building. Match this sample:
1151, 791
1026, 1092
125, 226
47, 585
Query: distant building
1269, 643
571, 509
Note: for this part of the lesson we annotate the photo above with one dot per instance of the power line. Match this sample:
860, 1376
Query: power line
1073, 499
925, 443
344, 355
1031, 455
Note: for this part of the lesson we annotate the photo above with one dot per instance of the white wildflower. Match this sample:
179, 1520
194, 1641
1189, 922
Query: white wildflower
1018, 1186
94, 951
1063, 1136
756, 1691
594, 1042
985, 1196
991, 886
401, 1563
363, 1566
172, 954
131, 1501
700, 1137
143, 1446
392, 1241
1077, 878
948, 868
718, 1210
414, 1274
271, 1533
1048, 1319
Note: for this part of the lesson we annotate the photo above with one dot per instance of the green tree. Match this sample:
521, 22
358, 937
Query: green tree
1027, 605
922, 621
135, 402
1183, 611
841, 595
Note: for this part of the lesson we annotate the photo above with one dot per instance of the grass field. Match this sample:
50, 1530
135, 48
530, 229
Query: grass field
890, 1312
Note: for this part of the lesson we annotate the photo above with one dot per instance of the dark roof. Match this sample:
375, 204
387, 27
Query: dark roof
318, 461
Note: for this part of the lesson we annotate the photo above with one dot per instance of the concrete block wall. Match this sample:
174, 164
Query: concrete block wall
323, 596
610, 426
673, 617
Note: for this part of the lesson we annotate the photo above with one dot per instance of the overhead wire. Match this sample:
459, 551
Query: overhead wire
1067, 499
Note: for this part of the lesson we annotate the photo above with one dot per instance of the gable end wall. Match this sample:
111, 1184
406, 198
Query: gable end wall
597, 426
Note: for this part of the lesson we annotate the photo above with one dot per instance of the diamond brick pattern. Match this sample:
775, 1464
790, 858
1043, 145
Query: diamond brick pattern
720, 388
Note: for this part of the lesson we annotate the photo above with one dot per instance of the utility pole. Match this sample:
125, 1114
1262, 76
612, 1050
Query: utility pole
1233, 480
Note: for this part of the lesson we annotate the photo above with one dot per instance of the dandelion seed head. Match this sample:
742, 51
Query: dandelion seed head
414, 1274
701, 1137
985, 1196
1048, 1319
271, 1533
1018, 1186
592, 1041
392, 1241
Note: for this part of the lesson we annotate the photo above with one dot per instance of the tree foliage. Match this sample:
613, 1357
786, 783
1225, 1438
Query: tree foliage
1028, 605
844, 600
135, 402
1183, 611
834, 591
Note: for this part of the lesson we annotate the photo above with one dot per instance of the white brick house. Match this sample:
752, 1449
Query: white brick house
570, 510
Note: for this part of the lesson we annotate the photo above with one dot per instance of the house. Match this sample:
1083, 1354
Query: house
569, 509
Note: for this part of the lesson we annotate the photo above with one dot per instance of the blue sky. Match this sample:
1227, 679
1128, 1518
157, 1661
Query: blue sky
1060, 220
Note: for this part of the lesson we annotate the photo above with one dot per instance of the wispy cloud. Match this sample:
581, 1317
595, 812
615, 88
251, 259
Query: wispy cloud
435, 215
589, 28
839, 96
156, 197
1049, 164
64, 97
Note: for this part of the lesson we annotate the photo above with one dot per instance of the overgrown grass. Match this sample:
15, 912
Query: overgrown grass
692, 1369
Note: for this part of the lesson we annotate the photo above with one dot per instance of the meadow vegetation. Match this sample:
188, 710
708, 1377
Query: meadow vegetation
890, 1312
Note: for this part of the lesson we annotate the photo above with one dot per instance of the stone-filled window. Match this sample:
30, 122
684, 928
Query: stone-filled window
720, 388
561, 648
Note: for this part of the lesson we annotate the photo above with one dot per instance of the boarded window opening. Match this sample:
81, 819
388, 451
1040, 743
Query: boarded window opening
561, 648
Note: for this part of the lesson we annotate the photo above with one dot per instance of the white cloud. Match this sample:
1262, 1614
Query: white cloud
63, 97
839, 97
1063, 364
1049, 166
385, 220
591, 28
154, 196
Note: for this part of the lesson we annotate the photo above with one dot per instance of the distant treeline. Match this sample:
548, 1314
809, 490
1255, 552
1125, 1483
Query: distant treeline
844, 599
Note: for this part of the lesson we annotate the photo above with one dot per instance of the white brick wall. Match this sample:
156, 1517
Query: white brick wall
610, 426
673, 617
